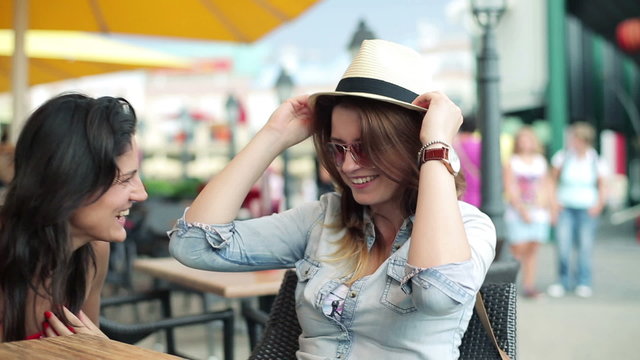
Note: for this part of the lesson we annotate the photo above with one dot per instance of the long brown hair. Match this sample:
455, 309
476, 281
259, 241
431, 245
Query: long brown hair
390, 139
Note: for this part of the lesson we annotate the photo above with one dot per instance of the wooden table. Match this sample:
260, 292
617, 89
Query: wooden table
263, 284
226, 284
80, 346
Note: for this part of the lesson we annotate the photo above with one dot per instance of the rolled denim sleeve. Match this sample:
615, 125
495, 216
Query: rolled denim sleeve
441, 289
269, 242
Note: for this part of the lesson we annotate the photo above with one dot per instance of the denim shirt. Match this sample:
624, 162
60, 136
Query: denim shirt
399, 311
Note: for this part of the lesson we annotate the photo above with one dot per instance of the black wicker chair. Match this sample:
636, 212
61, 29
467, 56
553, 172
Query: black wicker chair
133, 333
500, 302
280, 337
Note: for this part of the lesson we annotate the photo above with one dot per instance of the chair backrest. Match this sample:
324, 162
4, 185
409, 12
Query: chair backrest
503, 271
500, 302
280, 337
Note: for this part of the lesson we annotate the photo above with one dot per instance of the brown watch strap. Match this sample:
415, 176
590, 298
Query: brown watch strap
441, 153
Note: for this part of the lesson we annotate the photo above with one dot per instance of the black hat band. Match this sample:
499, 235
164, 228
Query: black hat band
377, 87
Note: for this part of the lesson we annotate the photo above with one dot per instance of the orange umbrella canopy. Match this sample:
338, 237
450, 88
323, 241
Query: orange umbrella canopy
237, 20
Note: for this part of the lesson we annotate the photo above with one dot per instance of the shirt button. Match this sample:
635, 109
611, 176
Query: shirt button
353, 294
339, 356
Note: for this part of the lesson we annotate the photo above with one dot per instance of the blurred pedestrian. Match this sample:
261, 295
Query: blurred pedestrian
469, 148
527, 217
580, 193
76, 177
391, 249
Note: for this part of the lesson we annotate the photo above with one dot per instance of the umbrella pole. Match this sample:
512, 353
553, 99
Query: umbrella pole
19, 75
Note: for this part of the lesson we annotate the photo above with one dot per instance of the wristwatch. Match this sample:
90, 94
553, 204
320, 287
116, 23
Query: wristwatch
447, 155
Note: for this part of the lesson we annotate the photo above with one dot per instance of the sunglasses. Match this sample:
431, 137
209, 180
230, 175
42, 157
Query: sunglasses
356, 150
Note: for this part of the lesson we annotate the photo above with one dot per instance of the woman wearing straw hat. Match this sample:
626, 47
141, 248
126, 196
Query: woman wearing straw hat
391, 249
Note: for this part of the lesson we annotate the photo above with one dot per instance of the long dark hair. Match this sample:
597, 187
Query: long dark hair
390, 138
65, 158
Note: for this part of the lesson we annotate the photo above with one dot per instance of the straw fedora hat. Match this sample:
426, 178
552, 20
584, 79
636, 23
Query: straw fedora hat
384, 71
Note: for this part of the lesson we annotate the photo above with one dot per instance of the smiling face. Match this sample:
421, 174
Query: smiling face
104, 218
368, 185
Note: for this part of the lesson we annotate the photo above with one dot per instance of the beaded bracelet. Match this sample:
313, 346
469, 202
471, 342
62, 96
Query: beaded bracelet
433, 142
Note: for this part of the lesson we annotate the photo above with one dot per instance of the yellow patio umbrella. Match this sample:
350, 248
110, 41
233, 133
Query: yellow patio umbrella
224, 20
238, 20
60, 55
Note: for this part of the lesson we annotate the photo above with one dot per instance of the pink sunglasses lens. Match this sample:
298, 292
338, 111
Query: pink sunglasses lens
340, 152
360, 156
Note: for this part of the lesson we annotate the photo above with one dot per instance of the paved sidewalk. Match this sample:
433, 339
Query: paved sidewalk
605, 326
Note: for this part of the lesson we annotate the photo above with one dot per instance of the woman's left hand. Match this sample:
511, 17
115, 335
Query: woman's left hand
81, 324
442, 119
595, 210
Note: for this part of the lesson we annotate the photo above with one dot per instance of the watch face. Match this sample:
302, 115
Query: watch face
454, 160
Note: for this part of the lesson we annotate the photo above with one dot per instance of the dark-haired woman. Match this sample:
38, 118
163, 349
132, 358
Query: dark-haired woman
76, 176
389, 265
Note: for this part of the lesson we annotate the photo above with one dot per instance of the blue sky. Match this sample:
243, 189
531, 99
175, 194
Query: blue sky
329, 25
319, 37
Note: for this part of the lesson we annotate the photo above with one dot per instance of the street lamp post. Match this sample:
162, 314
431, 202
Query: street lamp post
233, 112
185, 120
487, 14
284, 89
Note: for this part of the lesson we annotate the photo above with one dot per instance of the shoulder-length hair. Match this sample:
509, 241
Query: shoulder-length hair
390, 137
527, 131
65, 158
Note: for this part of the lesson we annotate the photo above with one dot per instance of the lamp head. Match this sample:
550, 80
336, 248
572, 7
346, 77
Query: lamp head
362, 33
488, 12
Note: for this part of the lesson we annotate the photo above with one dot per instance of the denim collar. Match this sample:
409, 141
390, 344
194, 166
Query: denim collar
370, 233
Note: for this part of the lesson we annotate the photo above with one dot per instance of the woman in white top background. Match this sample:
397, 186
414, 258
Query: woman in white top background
527, 217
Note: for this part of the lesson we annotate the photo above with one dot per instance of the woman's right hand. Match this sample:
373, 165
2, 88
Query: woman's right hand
220, 201
291, 120
81, 324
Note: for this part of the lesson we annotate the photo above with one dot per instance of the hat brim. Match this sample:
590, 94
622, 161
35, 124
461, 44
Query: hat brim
313, 98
